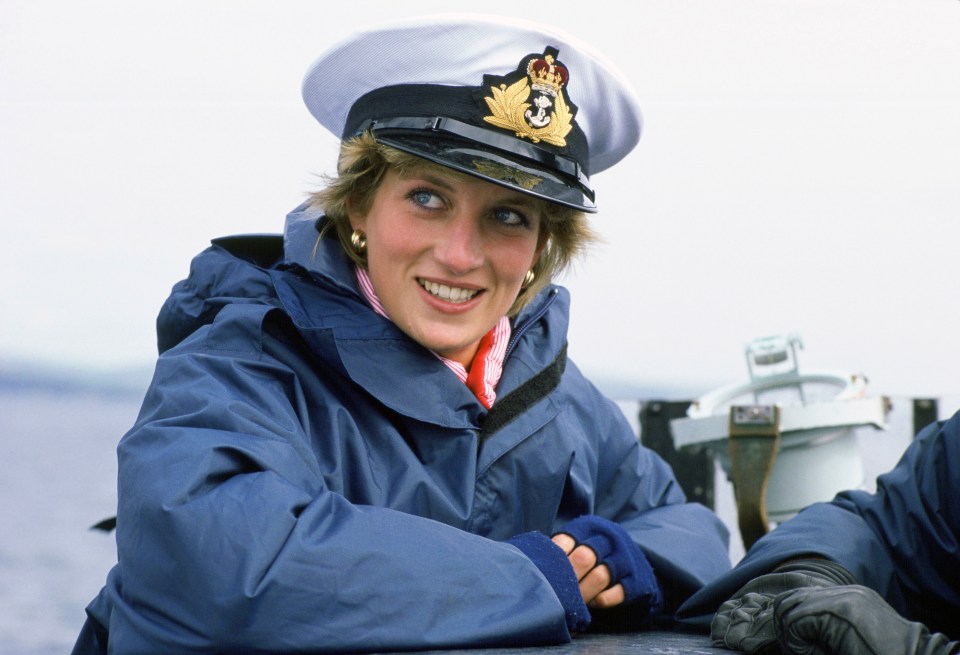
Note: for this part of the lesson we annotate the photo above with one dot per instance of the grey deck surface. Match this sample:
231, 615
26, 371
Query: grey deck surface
637, 643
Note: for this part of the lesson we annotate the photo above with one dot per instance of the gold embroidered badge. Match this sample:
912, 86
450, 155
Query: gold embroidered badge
534, 106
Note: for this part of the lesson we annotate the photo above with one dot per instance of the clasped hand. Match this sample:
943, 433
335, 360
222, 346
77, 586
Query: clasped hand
592, 562
594, 579
609, 565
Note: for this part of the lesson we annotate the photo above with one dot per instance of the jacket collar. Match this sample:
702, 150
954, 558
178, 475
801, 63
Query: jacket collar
317, 287
303, 247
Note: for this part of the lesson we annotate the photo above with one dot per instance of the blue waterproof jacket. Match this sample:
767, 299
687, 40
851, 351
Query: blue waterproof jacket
304, 477
903, 541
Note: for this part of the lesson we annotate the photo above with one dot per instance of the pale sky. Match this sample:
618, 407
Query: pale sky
799, 171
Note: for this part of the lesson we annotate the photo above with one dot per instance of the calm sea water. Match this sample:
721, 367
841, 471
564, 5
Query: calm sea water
58, 478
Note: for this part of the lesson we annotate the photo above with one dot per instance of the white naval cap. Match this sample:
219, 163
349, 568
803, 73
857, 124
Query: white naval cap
514, 102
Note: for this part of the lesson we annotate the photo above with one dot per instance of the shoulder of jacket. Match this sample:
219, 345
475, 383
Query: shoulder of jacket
238, 329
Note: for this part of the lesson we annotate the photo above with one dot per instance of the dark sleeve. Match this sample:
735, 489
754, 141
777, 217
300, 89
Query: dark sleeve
901, 541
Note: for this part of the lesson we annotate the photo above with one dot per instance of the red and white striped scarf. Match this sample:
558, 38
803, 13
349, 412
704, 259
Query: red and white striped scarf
487, 365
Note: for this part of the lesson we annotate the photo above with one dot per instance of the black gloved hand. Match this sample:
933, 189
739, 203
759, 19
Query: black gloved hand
850, 620
745, 621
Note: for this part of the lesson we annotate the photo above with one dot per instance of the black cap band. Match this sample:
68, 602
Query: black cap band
407, 117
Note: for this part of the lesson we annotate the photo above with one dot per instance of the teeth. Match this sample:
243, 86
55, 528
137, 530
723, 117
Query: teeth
450, 294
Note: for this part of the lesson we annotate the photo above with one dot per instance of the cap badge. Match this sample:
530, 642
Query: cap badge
534, 106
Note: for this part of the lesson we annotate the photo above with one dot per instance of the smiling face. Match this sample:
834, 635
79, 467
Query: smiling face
447, 254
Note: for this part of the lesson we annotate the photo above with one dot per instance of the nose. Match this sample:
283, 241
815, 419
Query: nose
461, 247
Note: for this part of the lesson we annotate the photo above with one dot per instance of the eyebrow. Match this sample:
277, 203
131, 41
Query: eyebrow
434, 178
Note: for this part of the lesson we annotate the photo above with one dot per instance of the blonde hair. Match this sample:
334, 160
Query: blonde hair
564, 231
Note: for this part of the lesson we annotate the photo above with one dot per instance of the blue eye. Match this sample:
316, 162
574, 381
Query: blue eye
426, 198
510, 217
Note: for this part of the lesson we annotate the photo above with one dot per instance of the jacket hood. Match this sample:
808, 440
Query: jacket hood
233, 270
313, 282
236, 270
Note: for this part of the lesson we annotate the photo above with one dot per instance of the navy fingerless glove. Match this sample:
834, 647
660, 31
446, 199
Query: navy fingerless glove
627, 563
556, 568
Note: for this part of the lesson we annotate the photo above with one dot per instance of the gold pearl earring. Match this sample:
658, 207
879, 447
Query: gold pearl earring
528, 278
359, 242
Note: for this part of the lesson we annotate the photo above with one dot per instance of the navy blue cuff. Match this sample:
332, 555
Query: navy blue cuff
617, 549
556, 568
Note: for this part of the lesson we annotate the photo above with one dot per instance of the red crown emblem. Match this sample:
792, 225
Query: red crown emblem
547, 75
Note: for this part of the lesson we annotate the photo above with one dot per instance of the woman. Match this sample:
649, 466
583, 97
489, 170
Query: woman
368, 436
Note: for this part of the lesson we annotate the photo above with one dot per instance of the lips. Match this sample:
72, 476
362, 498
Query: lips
449, 294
